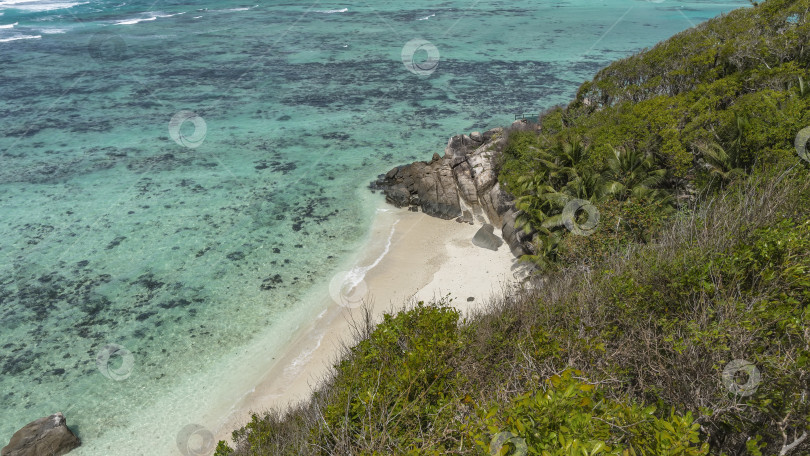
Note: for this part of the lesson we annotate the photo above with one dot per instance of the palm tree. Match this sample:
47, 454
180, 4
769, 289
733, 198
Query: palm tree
534, 204
585, 185
741, 126
632, 174
803, 90
547, 245
565, 159
723, 165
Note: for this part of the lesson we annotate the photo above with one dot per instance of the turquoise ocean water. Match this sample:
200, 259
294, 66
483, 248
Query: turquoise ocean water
178, 181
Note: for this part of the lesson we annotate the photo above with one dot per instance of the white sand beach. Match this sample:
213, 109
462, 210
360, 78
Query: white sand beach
426, 258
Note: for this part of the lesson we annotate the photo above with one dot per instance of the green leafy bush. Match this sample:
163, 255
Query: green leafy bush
698, 111
571, 417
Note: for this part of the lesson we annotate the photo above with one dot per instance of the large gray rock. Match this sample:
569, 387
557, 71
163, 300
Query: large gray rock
462, 145
466, 177
486, 238
519, 241
429, 185
495, 202
466, 185
399, 196
437, 190
48, 436
483, 165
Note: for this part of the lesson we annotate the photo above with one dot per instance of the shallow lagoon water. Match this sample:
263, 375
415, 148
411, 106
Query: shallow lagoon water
200, 262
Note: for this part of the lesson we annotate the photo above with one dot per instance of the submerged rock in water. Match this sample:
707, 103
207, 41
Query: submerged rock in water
486, 238
45, 436
461, 185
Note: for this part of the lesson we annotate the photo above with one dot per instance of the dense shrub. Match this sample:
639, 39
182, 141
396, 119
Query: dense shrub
693, 113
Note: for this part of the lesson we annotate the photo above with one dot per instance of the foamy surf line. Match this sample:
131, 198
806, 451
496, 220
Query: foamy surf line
154, 16
344, 10
17, 38
8, 26
52, 31
34, 6
358, 273
303, 358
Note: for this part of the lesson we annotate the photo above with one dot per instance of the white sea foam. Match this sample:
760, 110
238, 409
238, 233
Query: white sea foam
332, 11
36, 6
8, 26
150, 17
135, 21
302, 358
358, 273
52, 31
426, 17
231, 10
20, 37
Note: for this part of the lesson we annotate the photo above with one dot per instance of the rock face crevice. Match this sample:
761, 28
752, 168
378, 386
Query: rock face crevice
462, 185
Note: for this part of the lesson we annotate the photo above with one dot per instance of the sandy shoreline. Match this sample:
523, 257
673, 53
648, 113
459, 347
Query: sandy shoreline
409, 257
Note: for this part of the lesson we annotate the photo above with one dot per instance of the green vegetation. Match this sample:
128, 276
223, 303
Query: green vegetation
700, 260
692, 114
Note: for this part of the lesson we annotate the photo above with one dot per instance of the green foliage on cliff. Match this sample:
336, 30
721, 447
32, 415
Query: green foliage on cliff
687, 332
633, 357
692, 114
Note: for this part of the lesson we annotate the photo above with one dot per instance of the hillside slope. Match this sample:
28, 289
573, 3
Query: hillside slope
679, 326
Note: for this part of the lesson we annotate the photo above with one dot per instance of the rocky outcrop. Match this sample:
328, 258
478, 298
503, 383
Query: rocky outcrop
519, 242
45, 436
486, 238
462, 184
